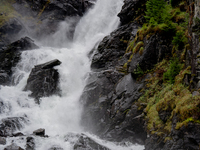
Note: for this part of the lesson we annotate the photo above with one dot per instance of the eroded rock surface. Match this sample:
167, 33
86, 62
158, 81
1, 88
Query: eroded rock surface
10, 56
43, 80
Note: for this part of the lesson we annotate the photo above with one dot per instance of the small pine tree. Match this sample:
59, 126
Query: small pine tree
155, 11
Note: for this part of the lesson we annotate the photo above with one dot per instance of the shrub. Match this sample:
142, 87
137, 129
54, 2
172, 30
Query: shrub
157, 12
173, 71
179, 39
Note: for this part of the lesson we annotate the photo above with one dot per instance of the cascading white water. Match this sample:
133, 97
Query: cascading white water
60, 115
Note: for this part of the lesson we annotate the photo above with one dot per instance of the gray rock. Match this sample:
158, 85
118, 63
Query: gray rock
43, 80
9, 125
30, 143
2, 141
13, 147
86, 143
55, 148
130, 9
10, 56
113, 47
155, 49
39, 132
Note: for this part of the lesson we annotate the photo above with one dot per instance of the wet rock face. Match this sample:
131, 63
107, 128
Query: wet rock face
109, 96
10, 31
63, 7
129, 10
10, 56
30, 143
46, 15
10, 125
39, 132
113, 47
109, 107
43, 80
13, 147
86, 143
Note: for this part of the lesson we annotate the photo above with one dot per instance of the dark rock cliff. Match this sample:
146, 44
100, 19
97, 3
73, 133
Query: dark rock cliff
38, 18
109, 98
128, 97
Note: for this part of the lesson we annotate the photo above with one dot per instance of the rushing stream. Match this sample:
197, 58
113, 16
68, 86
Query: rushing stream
60, 115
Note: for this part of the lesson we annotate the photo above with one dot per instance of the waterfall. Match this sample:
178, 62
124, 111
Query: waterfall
60, 115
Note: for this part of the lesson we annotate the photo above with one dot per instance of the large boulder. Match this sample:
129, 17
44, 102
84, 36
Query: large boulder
10, 31
43, 80
10, 56
30, 143
13, 147
9, 125
86, 143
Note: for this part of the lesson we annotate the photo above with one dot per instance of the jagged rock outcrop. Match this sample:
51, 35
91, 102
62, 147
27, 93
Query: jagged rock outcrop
10, 31
155, 49
13, 147
43, 80
9, 125
86, 143
44, 16
130, 10
30, 143
109, 96
10, 56
113, 47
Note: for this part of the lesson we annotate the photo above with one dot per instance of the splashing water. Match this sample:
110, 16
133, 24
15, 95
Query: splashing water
60, 115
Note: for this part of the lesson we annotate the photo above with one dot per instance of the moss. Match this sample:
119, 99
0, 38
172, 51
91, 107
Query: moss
130, 46
175, 98
173, 70
185, 123
137, 47
141, 50
126, 111
154, 122
178, 15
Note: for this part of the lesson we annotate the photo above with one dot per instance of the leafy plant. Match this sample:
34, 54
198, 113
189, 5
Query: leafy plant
138, 71
157, 12
179, 39
174, 69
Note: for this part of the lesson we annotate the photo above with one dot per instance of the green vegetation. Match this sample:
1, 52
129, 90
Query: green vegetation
175, 98
173, 71
157, 12
179, 40
166, 90
139, 72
